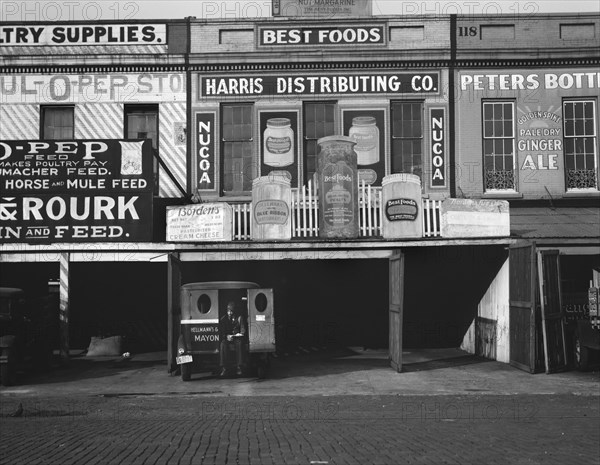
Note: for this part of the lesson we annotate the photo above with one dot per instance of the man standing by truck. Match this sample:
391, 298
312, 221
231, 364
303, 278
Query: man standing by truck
232, 331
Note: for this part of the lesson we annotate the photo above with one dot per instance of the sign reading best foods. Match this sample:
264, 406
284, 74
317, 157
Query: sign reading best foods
83, 34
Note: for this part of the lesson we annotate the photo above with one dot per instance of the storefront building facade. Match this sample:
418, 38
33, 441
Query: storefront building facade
92, 123
185, 116
527, 131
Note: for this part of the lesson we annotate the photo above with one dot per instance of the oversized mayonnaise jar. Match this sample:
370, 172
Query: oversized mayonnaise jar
278, 148
366, 134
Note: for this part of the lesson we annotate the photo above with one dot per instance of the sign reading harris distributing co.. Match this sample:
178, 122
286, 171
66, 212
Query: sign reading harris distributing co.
324, 35
321, 84
83, 34
322, 8
75, 191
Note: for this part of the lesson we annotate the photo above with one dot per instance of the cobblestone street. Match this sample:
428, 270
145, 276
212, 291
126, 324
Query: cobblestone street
199, 428
448, 407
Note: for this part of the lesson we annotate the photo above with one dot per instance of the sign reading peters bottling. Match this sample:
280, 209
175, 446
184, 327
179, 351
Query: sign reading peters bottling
75, 191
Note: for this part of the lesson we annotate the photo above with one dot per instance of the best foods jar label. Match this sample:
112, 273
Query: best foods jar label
401, 210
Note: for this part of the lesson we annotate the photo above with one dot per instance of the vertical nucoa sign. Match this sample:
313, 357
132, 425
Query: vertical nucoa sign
438, 147
205, 151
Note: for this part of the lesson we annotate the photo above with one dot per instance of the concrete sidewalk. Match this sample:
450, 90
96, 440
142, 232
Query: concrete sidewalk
333, 372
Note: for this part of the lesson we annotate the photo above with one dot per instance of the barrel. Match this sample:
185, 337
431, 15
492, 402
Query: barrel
402, 206
271, 207
338, 187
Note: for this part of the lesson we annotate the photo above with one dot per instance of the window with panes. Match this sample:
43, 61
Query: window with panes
58, 122
407, 138
580, 144
238, 167
499, 145
141, 122
319, 121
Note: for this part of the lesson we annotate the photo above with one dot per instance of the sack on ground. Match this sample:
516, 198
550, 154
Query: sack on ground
104, 346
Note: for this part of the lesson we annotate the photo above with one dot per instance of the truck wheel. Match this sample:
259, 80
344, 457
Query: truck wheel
581, 354
186, 371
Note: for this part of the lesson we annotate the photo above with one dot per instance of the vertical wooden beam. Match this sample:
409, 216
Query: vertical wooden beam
173, 308
64, 307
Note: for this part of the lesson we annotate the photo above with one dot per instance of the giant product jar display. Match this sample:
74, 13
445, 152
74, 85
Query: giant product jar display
338, 187
278, 143
271, 207
366, 134
402, 206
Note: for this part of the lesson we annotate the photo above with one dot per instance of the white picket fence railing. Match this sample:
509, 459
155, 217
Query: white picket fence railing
305, 214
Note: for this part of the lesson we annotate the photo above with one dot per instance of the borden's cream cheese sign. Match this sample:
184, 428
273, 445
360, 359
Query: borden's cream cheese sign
203, 222
83, 34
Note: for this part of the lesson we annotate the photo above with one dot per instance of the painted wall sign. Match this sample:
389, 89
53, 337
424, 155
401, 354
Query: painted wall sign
531, 81
438, 147
92, 88
539, 141
279, 143
332, 35
322, 8
367, 128
321, 84
401, 210
83, 34
205, 151
203, 222
75, 191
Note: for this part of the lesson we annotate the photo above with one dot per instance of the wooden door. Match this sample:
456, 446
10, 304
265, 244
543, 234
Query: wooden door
555, 349
173, 308
522, 298
261, 321
396, 307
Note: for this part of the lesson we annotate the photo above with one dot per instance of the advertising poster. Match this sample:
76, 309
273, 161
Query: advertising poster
76, 191
279, 143
204, 222
367, 128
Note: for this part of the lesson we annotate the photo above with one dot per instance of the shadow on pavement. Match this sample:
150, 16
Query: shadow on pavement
80, 367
